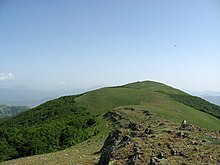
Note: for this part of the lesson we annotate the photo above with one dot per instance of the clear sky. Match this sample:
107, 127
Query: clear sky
48, 44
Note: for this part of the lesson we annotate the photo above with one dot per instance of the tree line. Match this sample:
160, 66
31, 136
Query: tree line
53, 126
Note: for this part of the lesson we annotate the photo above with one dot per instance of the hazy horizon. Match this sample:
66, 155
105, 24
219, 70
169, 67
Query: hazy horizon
64, 45
32, 98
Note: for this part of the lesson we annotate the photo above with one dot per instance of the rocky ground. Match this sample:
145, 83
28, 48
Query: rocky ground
149, 140
138, 137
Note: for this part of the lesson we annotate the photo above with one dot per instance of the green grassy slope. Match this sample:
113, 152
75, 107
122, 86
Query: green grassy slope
148, 95
70, 120
153, 86
198, 103
103, 100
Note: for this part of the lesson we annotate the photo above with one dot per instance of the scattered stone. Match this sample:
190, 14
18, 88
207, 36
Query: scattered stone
134, 134
169, 146
148, 131
170, 132
111, 116
130, 145
177, 153
174, 152
134, 126
160, 155
135, 157
161, 124
117, 156
153, 136
129, 108
137, 149
153, 161
147, 113
106, 155
114, 117
194, 143
133, 160
112, 137
125, 140
184, 123
109, 147
170, 139
121, 117
182, 134
151, 145
186, 126
204, 141
195, 149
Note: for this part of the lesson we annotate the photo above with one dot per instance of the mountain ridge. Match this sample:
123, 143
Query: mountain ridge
70, 120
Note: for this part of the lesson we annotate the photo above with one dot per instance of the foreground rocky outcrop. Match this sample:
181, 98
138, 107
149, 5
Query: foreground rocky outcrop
160, 142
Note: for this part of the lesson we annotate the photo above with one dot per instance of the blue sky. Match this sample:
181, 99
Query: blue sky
78, 44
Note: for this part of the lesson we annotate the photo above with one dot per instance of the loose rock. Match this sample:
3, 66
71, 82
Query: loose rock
182, 134
148, 131
153, 161
185, 126
147, 113
134, 126
109, 146
160, 155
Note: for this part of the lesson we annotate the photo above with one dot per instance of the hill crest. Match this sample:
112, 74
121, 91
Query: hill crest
70, 120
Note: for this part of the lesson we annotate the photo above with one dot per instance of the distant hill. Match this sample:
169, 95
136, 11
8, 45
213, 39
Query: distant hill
213, 99
8, 111
211, 96
29, 97
71, 120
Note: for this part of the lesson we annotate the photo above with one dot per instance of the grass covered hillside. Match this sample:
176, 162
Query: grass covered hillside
70, 120
153, 95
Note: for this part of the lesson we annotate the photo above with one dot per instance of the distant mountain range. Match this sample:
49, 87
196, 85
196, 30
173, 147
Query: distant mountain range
29, 97
212, 99
33, 98
211, 96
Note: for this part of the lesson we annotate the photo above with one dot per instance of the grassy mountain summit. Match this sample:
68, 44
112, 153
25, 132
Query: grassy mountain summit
71, 120
162, 99
153, 86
